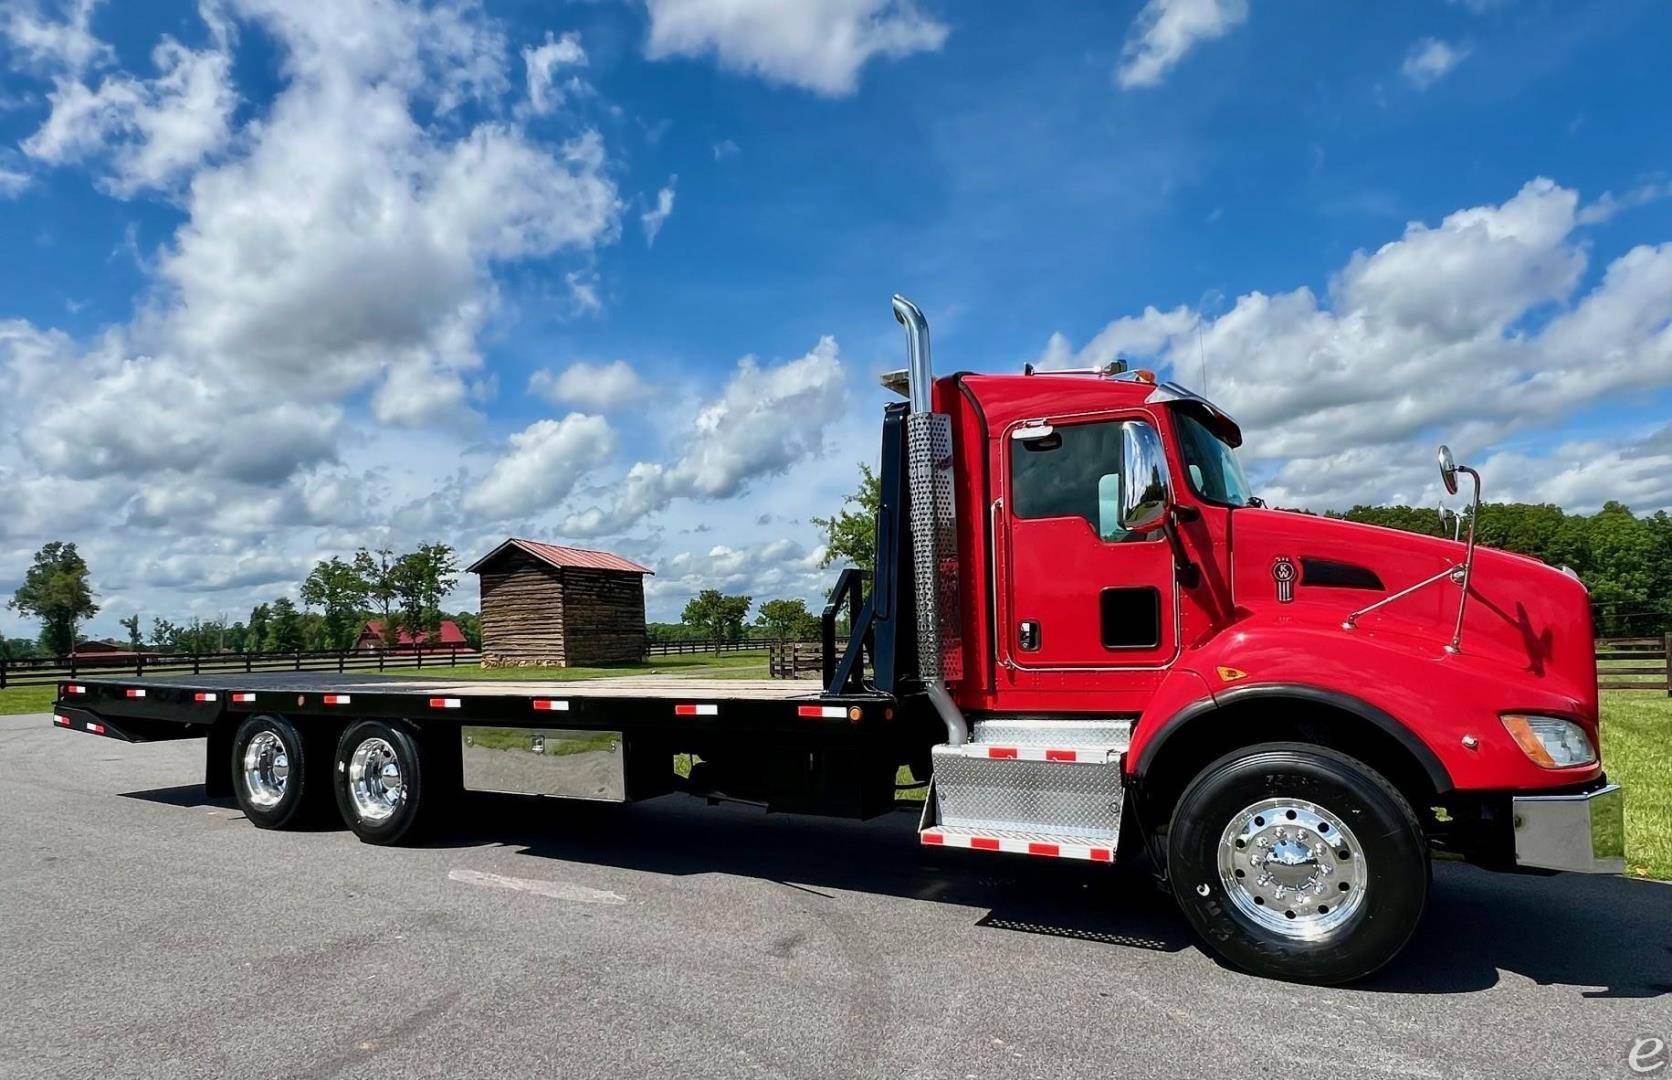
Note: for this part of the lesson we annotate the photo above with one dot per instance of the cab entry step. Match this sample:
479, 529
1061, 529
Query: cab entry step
1017, 842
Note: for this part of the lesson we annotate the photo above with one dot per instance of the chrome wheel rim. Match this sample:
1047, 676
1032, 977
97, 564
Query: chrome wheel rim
375, 781
1293, 867
266, 769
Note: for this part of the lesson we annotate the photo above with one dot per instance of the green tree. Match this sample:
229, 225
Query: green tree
135, 639
377, 573
718, 615
56, 591
339, 590
285, 632
164, 634
18, 648
421, 579
260, 628
850, 536
787, 620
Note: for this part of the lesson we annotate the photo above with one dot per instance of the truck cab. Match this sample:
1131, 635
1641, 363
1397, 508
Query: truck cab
1125, 650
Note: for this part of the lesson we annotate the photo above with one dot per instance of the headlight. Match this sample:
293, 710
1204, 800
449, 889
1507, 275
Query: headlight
1552, 743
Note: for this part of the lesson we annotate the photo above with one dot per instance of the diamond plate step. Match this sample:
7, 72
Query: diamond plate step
1053, 731
1004, 788
1018, 842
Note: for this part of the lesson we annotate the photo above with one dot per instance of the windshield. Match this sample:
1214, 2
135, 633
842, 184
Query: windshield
1212, 464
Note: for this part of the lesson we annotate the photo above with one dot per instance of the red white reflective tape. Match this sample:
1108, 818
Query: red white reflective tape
74, 688
61, 721
444, 703
201, 696
337, 699
696, 710
97, 729
1038, 753
243, 698
821, 712
132, 692
547, 705
1017, 846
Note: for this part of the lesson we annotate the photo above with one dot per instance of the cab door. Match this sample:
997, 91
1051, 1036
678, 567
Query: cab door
1079, 592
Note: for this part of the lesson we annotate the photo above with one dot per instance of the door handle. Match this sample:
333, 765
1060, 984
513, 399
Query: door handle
1027, 635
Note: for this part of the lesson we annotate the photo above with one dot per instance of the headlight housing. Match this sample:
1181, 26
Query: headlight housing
1550, 741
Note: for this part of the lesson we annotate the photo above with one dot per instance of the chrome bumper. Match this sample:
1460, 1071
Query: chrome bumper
1585, 834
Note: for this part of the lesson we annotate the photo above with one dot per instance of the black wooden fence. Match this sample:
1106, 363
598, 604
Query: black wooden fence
1634, 663
50, 669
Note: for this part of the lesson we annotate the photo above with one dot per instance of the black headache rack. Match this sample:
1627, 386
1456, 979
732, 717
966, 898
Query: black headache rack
879, 622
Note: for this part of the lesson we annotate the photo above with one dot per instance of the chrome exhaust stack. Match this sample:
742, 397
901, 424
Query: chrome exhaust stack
934, 527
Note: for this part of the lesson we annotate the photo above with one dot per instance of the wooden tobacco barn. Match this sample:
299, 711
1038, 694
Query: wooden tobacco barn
560, 606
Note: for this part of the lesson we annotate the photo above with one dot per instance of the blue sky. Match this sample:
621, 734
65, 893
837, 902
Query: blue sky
285, 280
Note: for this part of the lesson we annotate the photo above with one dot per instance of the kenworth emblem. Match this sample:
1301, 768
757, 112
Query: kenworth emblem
1283, 572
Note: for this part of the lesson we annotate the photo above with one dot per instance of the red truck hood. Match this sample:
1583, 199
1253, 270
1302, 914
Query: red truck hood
1525, 619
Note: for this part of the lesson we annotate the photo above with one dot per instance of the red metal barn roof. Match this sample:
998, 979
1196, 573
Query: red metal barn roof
555, 555
449, 634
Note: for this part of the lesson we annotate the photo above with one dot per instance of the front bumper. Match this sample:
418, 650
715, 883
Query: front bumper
1583, 833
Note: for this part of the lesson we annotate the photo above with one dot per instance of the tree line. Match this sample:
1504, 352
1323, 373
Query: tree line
712, 615
404, 591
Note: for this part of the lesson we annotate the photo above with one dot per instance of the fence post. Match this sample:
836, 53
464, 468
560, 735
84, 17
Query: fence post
1666, 658
2, 672
197, 663
298, 658
72, 661
418, 651
342, 659
380, 659
247, 666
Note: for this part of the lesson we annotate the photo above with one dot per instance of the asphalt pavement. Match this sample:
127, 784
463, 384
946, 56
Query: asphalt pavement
147, 931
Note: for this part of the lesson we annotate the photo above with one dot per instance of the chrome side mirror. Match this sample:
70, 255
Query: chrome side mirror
1448, 469
1146, 492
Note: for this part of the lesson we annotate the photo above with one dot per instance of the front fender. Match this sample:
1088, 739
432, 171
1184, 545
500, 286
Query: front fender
1434, 702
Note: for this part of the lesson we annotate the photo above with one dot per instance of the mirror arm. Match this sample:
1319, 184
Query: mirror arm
1188, 573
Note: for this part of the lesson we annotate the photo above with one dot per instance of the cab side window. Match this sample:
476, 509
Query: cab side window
1072, 472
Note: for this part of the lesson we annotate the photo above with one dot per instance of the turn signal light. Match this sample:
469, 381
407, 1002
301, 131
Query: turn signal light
1550, 741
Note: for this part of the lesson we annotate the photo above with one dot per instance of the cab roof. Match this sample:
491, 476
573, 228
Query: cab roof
1005, 399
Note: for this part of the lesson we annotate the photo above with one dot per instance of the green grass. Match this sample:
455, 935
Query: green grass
1637, 750
15, 700
744, 665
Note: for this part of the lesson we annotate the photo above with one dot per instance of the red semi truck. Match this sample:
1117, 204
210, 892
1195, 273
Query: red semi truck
1092, 640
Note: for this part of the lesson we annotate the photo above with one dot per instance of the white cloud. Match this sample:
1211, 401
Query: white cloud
155, 130
654, 218
767, 420
541, 465
12, 182
1431, 60
330, 282
726, 148
50, 44
819, 45
595, 386
544, 63
1165, 30
1425, 338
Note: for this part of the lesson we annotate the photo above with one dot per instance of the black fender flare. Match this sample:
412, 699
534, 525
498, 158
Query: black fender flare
1363, 710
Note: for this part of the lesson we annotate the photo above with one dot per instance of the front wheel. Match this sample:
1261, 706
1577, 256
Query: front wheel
1297, 862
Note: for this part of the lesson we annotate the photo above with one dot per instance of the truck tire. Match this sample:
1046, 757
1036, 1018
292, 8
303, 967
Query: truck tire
272, 776
1297, 862
379, 781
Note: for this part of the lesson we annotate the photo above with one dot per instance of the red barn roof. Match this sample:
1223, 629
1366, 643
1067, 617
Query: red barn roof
449, 634
554, 555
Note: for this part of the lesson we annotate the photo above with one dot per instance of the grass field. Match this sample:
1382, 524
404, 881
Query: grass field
1636, 737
